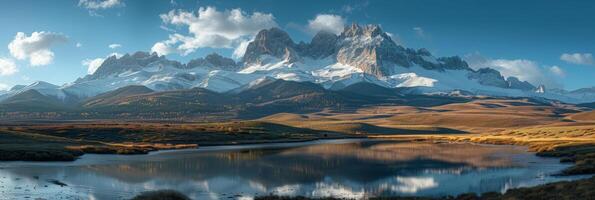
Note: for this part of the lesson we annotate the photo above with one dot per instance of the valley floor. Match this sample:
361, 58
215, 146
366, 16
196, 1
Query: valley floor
65, 141
561, 131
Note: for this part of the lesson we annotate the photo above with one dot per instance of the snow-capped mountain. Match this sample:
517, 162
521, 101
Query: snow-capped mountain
42, 87
358, 54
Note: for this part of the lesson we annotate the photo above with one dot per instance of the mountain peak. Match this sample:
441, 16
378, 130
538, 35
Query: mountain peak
369, 30
366, 47
274, 42
17, 87
352, 30
492, 77
214, 61
128, 62
370, 49
323, 44
515, 83
143, 54
42, 84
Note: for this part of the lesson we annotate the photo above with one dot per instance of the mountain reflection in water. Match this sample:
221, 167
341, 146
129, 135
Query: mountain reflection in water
344, 169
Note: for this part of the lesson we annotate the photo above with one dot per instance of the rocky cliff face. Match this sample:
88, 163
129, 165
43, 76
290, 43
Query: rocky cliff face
492, 77
515, 83
140, 61
323, 44
214, 62
130, 62
273, 42
370, 49
333, 60
367, 47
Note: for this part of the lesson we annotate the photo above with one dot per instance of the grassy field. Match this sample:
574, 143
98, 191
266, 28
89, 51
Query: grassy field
484, 115
564, 131
560, 130
573, 142
68, 140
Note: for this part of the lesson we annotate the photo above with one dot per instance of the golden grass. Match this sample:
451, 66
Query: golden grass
484, 115
574, 143
583, 116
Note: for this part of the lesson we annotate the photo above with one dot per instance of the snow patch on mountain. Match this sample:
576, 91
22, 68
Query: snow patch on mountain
42, 87
359, 54
413, 80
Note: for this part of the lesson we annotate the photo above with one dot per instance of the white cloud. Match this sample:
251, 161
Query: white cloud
326, 22
78, 45
167, 46
558, 71
100, 4
578, 58
7, 67
4, 87
209, 27
94, 64
240, 50
525, 70
36, 47
114, 46
419, 32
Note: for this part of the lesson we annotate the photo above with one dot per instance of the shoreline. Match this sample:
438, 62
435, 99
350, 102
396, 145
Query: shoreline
581, 156
72, 153
539, 189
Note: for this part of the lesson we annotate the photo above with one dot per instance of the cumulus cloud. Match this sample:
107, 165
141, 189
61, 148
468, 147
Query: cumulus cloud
7, 67
578, 58
525, 70
327, 22
100, 4
114, 46
36, 47
94, 64
168, 46
558, 71
94, 6
209, 27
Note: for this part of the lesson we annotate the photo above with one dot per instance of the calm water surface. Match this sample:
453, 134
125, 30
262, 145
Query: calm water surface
340, 168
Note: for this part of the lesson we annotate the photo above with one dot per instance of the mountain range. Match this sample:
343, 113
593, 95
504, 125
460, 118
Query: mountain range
362, 65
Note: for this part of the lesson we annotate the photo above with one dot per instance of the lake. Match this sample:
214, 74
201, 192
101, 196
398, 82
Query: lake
349, 168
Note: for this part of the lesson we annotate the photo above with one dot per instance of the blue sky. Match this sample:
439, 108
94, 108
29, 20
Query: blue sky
546, 42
